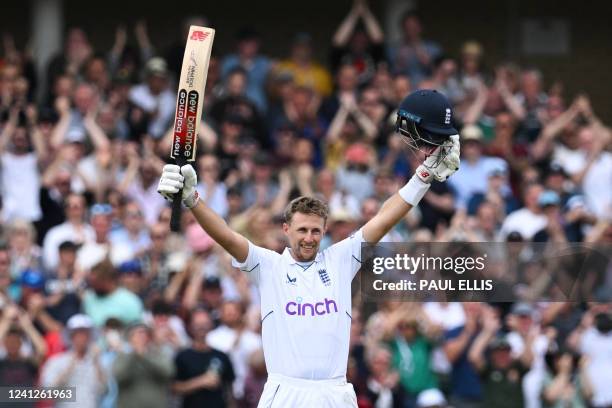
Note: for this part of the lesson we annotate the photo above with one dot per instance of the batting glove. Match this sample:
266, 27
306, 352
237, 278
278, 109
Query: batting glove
431, 169
174, 178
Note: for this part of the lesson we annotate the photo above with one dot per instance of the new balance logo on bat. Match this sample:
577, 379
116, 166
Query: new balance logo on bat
199, 35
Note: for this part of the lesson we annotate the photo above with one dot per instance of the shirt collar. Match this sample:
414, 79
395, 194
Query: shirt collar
292, 261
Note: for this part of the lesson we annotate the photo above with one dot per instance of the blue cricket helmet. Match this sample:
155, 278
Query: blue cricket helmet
426, 118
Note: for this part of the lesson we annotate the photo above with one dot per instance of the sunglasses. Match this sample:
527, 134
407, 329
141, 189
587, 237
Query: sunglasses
358, 167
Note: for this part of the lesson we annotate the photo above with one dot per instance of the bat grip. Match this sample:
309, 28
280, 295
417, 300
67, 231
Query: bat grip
175, 218
177, 208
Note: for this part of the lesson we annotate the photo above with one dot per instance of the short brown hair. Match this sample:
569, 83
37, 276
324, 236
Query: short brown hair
104, 270
306, 205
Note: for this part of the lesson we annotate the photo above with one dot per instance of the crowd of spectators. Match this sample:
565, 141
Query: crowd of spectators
97, 293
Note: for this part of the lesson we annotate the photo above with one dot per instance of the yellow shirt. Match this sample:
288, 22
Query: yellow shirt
315, 76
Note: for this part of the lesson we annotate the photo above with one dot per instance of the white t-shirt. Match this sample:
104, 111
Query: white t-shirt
572, 160
598, 348
306, 309
449, 315
525, 222
20, 187
223, 338
162, 105
61, 233
597, 185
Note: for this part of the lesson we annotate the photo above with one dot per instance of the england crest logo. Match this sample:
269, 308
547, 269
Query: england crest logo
324, 277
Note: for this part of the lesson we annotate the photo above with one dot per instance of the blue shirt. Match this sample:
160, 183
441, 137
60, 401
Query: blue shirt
257, 72
465, 381
473, 178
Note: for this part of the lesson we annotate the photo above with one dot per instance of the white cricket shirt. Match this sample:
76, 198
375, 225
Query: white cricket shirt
306, 310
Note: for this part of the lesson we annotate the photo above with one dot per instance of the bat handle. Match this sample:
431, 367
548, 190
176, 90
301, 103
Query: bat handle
177, 209
175, 218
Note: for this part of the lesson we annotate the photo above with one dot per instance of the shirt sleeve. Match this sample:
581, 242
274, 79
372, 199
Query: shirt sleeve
50, 371
586, 341
181, 373
347, 252
255, 258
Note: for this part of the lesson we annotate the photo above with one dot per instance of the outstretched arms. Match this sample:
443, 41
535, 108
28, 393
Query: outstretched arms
174, 178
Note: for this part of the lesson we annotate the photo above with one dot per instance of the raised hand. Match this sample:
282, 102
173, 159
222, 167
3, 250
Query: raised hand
120, 38
432, 168
174, 178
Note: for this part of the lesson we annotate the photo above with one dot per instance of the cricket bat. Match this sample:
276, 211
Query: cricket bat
189, 101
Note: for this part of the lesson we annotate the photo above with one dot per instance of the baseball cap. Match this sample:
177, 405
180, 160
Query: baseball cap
75, 135
430, 398
548, 197
556, 169
197, 239
471, 132
341, 215
575, 201
79, 321
500, 343
101, 209
33, 279
136, 325
212, 282
430, 110
132, 266
357, 153
522, 309
498, 169
156, 66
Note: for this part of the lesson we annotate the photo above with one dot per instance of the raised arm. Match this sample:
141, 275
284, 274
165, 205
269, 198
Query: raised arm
147, 50
394, 209
96, 134
391, 212
372, 26
40, 147
174, 178
62, 105
8, 130
114, 56
347, 26
490, 327
543, 144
